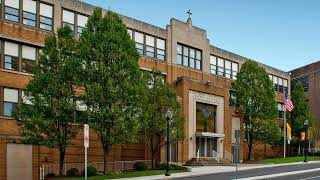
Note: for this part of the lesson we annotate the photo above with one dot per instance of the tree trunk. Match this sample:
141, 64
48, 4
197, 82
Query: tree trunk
249, 150
61, 160
106, 150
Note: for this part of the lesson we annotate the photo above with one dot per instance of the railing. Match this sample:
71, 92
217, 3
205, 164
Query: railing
111, 166
228, 156
215, 155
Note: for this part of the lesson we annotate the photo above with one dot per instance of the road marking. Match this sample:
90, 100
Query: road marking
280, 174
311, 178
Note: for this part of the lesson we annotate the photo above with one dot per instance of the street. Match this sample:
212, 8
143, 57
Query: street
292, 172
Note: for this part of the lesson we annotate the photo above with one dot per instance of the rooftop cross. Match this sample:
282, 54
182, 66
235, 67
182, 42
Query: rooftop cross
189, 13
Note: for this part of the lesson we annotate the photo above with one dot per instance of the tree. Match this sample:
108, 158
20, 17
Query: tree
48, 121
111, 79
158, 98
255, 100
300, 112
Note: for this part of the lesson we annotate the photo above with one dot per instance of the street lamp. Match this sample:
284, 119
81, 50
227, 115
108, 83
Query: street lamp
305, 124
169, 118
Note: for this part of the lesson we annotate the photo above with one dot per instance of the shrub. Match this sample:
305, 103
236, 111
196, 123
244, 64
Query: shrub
140, 166
72, 172
50, 174
91, 171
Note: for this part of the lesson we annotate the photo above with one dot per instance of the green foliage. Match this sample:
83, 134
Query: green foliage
255, 99
140, 166
91, 171
157, 98
72, 172
301, 110
48, 121
111, 79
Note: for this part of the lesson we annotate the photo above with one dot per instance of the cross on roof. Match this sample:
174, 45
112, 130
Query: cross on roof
189, 13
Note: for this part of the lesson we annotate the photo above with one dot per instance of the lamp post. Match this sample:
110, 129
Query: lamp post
169, 118
305, 123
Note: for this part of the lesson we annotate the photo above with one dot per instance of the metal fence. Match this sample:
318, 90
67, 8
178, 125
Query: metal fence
111, 166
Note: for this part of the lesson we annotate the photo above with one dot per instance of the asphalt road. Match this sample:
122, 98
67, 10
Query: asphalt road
261, 172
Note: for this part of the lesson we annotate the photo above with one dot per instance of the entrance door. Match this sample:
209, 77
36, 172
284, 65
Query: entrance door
19, 162
205, 146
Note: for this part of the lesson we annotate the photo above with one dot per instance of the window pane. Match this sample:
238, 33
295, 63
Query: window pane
82, 20
150, 41
235, 66
198, 64
160, 44
10, 95
213, 60
26, 99
68, 17
12, 3
185, 61
139, 37
228, 64
29, 6
11, 49
29, 19
185, 51
285, 83
160, 54
9, 108
179, 49
179, 59
192, 62
11, 14
28, 52
46, 10
198, 55
220, 62
192, 53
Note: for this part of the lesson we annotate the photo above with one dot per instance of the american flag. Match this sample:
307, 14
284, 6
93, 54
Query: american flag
288, 103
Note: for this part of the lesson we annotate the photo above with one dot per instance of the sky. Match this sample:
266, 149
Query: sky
284, 34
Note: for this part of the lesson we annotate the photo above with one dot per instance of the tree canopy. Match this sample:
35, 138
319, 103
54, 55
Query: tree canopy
256, 101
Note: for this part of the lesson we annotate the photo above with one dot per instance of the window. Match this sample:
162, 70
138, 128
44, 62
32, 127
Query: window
198, 60
220, 67
82, 21
130, 33
304, 80
29, 12
68, 19
185, 56
161, 49
179, 54
205, 117
189, 56
233, 98
11, 56
10, 97
285, 86
81, 107
150, 46
46, 13
139, 39
213, 65
28, 58
25, 99
280, 110
12, 10
227, 69
275, 83
279, 84
235, 69
192, 57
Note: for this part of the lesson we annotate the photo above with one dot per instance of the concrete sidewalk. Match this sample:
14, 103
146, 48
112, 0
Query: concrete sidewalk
205, 170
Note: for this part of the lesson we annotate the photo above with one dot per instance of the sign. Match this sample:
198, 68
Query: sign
86, 135
237, 136
303, 136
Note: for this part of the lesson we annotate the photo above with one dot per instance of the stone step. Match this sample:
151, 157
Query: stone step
206, 162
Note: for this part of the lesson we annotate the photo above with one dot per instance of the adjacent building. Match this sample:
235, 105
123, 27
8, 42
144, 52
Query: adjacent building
200, 73
309, 76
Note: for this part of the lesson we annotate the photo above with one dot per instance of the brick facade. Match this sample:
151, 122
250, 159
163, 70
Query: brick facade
183, 80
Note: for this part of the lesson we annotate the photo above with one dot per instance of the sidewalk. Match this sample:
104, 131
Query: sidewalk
204, 170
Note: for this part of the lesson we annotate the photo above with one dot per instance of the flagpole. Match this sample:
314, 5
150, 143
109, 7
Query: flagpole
284, 133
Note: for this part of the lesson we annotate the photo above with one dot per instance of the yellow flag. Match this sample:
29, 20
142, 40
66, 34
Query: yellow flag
289, 133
